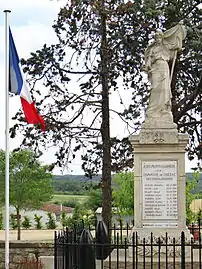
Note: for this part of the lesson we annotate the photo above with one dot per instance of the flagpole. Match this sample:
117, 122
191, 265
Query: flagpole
7, 139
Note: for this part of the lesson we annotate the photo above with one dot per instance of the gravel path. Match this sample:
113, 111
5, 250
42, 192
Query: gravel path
38, 235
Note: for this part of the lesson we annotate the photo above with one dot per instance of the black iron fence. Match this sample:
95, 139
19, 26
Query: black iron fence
85, 249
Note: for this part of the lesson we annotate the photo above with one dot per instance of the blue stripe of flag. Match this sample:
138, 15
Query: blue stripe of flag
16, 80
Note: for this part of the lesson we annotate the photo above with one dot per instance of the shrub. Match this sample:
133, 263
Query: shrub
71, 203
1, 221
13, 221
81, 215
51, 223
64, 220
26, 224
27, 263
38, 224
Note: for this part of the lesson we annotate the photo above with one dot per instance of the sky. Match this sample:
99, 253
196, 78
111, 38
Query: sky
31, 24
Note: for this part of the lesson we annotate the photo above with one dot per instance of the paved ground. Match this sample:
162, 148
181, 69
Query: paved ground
38, 235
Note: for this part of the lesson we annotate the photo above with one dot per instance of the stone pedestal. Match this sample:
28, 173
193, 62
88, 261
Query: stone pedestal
159, 182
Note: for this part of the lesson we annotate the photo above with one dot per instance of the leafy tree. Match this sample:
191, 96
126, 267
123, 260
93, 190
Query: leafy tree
13, 222
81, 217
30, 182
190, 186
123, 193
26, 223
1, 221
94, 199
102, 43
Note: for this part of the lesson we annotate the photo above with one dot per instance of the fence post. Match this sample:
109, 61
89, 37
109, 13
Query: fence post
102, 241
86, 251
182, 250
55, 250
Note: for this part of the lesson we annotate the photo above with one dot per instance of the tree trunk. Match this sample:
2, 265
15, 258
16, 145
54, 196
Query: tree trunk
18, 223
105, 127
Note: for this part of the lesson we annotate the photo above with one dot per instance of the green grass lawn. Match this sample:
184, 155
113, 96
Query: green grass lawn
61, 198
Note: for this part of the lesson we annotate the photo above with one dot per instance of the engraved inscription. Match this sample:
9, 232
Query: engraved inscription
159, 186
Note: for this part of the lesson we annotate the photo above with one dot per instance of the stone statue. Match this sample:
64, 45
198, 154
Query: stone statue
159, 56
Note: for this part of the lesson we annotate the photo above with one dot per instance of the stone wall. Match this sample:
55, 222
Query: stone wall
23, 249
147, 265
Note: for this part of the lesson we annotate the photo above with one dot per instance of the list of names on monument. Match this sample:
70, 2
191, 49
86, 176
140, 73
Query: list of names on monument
159, 184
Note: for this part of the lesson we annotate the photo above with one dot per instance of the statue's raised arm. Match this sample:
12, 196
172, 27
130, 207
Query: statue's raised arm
158, 55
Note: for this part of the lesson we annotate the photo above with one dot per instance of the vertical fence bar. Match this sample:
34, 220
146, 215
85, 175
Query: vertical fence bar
159, 253
166, 250
114, 229
63, 251
173, 253
65, 234
136, 253
121, 227
117, 253
199, 229
151, 241
144, 253
192, 253
59, 251
127, 229
125, 253
182, 250
133, 251
55, 250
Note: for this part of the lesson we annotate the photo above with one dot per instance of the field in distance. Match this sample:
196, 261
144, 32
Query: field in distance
61, 198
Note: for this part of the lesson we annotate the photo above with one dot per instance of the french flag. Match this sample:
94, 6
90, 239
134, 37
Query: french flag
18, 85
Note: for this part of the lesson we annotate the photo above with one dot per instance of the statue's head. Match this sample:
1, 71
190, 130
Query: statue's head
158, 36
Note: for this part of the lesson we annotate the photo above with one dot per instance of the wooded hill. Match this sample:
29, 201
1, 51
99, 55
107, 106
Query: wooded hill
78, 184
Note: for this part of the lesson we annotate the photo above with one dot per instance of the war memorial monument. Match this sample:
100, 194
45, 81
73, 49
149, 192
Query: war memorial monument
159, 150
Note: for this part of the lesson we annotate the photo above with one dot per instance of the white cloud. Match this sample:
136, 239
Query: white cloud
24, 5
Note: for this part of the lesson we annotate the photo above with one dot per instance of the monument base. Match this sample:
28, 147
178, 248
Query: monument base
167, 241
159, 190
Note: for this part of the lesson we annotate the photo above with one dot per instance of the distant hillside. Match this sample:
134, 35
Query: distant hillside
76, 178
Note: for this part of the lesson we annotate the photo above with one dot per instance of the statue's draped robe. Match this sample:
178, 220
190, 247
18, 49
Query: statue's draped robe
157, 58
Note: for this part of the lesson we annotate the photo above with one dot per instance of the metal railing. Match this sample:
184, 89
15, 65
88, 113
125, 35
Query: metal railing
77, 249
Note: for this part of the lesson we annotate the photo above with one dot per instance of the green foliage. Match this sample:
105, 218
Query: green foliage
13, 221
70, 203
38, 223
51, 223
73, 184
94, 200
190, 186
81, 214
63, 219
1, 221
30, 182
123, 193
68, 186
198, 187
26, 223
